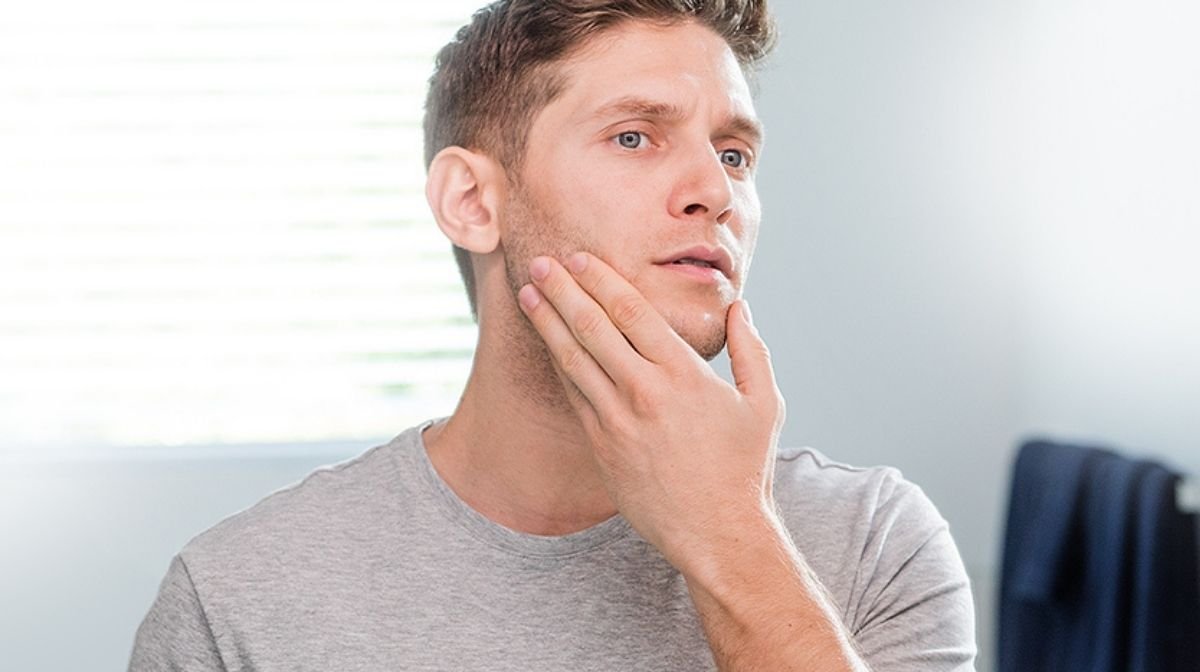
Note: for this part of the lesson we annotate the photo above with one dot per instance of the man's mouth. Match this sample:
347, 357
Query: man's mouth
708, 258
694, 262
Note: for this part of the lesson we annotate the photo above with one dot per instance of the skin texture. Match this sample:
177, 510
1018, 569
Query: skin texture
592, 358
581, 190
630, 207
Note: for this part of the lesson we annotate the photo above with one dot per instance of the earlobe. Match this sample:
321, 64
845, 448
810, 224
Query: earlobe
465, 190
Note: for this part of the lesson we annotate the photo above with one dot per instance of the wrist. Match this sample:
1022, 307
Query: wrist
731, 561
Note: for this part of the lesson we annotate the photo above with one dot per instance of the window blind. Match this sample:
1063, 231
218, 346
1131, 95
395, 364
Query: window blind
213, 223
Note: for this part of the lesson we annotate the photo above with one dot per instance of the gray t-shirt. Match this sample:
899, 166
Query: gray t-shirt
376, 564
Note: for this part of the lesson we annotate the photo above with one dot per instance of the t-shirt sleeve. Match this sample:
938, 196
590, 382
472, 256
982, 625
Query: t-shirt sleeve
175, 635
920, 615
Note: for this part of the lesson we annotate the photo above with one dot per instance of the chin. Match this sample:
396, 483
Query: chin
709, 349
703, 329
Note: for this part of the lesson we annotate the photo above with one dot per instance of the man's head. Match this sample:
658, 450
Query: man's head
624, 128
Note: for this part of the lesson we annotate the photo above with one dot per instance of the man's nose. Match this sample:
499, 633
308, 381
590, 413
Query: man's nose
703, 190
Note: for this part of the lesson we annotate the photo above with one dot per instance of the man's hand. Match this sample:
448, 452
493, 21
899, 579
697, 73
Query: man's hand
687, 458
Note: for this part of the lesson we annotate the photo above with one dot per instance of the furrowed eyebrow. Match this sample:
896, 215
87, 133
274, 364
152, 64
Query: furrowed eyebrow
735, 125
751, 129
642, 107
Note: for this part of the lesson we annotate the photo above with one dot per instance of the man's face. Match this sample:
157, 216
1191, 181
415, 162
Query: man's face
648, 151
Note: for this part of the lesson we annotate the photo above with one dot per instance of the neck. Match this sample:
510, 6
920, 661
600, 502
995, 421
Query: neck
514, 450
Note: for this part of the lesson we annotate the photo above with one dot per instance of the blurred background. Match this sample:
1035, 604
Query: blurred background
218, 271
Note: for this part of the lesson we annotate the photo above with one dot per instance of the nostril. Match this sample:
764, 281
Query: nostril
691, 209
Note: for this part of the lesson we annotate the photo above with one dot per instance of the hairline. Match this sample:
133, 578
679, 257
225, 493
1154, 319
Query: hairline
556, 74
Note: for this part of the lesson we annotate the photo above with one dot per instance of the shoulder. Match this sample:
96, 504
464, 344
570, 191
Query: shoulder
840, 510
868, 532
282, 558
318, 513
812, 485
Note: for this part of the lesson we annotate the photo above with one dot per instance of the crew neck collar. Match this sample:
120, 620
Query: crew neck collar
494, 534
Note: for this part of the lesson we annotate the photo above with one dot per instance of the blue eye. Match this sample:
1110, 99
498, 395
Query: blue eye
733, 158
631, 139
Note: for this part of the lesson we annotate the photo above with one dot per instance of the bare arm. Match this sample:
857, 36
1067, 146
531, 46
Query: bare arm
763, 608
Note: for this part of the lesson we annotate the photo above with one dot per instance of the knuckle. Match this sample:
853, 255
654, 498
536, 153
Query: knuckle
573, 361
628, 311
764, 350
588, 325
644, 402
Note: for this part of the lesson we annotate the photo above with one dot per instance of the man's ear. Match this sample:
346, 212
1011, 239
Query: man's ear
465, 190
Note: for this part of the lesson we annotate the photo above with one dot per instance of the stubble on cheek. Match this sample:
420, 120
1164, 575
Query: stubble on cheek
533, 230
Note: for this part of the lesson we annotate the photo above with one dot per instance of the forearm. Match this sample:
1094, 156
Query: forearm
762, 608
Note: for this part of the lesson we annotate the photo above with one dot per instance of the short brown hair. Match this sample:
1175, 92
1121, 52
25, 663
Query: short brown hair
496, 74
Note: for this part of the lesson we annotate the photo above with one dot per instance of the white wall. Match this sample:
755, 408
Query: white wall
1112, 212
981, 225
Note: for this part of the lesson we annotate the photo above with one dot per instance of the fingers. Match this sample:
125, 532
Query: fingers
571, 359
582, 310
627, 309
749, 358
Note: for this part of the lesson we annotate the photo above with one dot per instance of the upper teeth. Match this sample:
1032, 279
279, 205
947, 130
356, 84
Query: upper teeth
694, 262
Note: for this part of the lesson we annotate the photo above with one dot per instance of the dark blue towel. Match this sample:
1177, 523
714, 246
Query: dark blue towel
1166, 588
1083, 556
1041, 547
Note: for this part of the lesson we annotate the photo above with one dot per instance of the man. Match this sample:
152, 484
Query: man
600, 499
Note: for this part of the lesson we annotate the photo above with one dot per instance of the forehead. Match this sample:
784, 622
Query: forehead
680, 65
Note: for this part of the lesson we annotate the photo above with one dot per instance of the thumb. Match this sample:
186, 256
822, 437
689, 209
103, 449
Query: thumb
749, 359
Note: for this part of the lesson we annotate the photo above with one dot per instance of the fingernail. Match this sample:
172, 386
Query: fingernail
529, 296
577, 262
539, 268
746, 312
